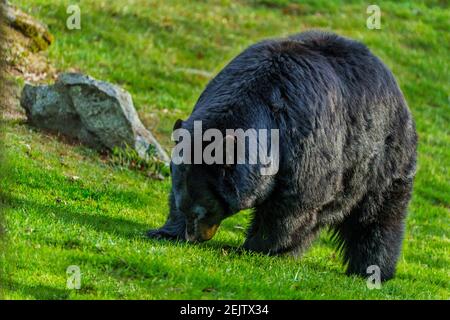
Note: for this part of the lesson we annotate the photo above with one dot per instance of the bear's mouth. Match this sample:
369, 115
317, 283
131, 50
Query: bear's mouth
202, 232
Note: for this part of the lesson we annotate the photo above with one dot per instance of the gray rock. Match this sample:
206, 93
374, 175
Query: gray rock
97, 113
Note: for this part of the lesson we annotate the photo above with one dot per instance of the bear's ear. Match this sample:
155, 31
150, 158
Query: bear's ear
277, 100
177, 124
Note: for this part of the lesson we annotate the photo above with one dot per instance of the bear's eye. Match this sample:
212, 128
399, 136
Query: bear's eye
199, 211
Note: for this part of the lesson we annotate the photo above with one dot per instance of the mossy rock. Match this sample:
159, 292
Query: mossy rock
29, 27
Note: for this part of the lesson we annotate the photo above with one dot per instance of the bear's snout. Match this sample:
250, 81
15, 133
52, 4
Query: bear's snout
201, 232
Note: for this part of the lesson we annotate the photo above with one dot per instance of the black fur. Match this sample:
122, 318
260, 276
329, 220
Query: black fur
347, 151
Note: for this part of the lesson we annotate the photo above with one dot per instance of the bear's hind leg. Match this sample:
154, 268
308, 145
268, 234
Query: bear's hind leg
373, 232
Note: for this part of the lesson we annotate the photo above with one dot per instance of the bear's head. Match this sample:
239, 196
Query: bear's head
206, 194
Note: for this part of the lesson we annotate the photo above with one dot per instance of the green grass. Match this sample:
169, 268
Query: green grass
97, 221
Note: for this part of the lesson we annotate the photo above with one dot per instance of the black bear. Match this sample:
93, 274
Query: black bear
347, 152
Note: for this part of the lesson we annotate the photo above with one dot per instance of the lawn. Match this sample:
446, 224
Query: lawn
67, 205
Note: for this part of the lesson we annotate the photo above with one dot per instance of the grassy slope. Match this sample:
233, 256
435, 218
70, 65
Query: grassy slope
97, 222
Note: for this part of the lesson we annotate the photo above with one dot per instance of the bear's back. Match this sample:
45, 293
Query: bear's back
302, 68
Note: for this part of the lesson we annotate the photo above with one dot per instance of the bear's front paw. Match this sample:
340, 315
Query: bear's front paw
160, 234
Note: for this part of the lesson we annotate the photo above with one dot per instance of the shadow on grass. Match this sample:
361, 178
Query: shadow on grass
98, 221
41, 292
